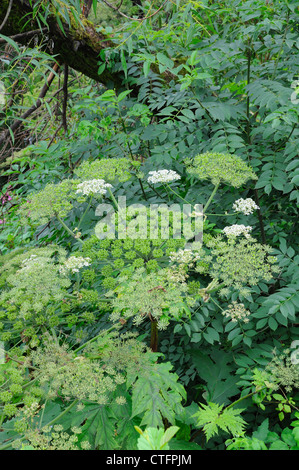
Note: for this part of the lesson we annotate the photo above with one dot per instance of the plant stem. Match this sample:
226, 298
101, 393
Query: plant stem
87, 208
113, 199
68, 229
178, 195
154, 336
57, 418
93, 339
211, 197
243, 398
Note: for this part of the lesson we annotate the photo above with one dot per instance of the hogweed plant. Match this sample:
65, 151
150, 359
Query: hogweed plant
146, 274
137, 274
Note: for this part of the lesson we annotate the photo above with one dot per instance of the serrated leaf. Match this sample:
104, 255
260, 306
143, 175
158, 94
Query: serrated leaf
221, 384
156, 394
213, 417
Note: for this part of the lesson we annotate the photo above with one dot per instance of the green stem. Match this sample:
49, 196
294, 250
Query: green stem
85, 212
224, 215
77, 281
113, 199
63, 413
248, 131
93, 339
178, 195
142, 189
68, 229
211, 197
243, 398
154, 336
216, 288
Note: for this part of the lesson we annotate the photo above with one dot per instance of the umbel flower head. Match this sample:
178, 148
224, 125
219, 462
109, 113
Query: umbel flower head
163, 176
95, 186
33, 285
53, 199
238, 262
155, 296
109, 169
235, 230
220, 168
246, 206
74, 264
237, 312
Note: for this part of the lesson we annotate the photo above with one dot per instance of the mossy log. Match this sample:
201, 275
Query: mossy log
78, 46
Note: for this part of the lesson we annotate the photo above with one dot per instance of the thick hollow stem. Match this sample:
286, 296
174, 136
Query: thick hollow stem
154, 336
211, 198
68, 229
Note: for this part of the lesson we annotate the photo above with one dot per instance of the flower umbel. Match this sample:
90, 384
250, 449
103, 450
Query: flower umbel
220, 168
236, 230
237, 312
246, 206
74, 264
95, 186
163, 176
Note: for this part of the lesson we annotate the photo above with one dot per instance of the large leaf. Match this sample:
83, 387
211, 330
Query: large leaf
156, 394
217, 373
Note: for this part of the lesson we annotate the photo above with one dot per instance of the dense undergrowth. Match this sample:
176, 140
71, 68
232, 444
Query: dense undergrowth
121, 328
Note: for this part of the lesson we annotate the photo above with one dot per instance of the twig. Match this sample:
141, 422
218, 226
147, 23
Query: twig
26, 35
65, 97
7, 15
33, 108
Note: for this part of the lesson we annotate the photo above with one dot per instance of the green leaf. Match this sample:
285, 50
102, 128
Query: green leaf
122, 95
146, 68
124, 63
214, 418
217, 373
156, 394
169, 433
177, 444
101, 68
99, 428
11, 42
154, 438
295, 180
192, 58
164, 60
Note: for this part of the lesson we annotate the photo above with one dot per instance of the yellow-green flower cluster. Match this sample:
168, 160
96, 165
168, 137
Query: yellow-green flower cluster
54, 199
118, 254
151, 296
108, 169
283, 371
237, 312
238, 262
33, 287
220, 168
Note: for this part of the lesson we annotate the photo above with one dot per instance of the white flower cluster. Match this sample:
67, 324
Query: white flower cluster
235, 230
186, 257
96, 186
31, 262
246, 206
177, 275
163, 176
237, 312
73, 264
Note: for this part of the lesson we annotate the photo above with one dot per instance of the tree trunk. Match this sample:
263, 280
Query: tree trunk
79, 47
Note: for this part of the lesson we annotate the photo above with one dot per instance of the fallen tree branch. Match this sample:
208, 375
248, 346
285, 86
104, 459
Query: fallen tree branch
25, 36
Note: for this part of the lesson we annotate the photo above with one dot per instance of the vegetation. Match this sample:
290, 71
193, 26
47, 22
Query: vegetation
149, 190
